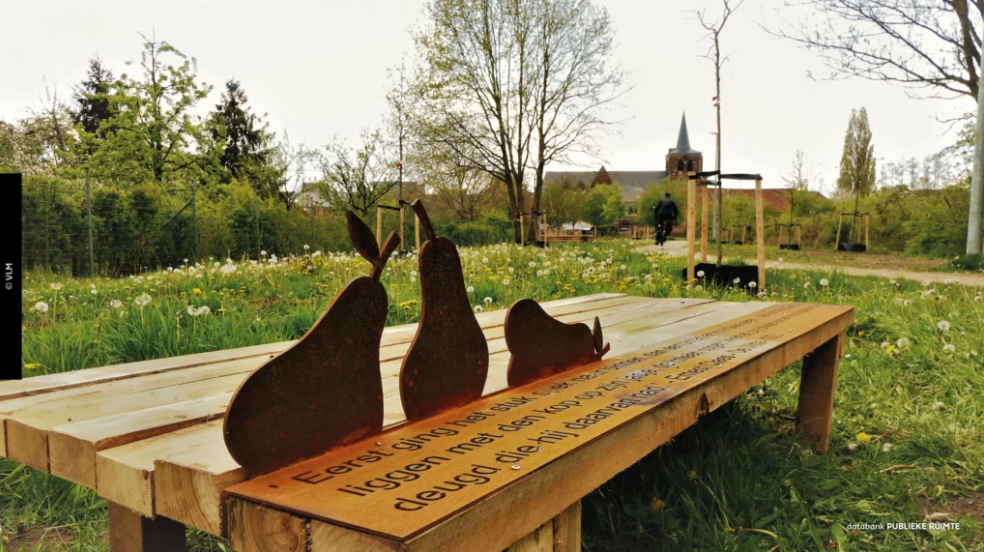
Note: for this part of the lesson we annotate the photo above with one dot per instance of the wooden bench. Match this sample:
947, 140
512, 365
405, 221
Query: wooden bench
147, 436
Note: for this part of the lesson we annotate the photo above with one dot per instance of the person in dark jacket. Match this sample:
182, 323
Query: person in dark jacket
666, 211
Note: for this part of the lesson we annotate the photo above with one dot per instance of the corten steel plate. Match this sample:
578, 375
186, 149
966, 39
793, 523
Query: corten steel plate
542, 346
448, 361
324, 391
402, 483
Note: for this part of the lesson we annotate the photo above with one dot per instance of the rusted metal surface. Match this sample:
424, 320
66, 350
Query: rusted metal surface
326, 390
448, 360
542, 346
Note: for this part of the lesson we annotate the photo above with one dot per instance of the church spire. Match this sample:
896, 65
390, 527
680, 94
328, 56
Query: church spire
683, 140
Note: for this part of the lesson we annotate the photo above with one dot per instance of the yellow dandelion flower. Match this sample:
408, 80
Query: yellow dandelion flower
692, 475
863, 437
658, 504
30, 366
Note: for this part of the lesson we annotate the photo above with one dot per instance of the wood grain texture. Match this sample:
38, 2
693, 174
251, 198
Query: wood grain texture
253, 528
131, 532
539, 540
567, 529
732, 345
330, 538
816, 398
760, 234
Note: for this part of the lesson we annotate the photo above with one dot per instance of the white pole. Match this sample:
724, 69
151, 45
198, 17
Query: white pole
977, 179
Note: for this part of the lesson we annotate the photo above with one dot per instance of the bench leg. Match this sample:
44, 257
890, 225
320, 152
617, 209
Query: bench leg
131, 532
561, 534
817, 384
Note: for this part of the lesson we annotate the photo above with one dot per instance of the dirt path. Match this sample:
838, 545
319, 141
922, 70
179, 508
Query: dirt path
678, 248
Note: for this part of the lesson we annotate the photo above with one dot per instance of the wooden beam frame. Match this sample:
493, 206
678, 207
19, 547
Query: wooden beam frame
760, 234
131, 532
691, 226
705, 224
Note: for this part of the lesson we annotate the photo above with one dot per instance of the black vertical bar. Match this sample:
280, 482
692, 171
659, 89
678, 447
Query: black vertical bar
11, 311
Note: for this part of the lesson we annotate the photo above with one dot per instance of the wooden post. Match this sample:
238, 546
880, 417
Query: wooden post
522, 230
379, 226
561, 534
817, 384
691, 227
744, 234
403, 241
867, 227
799, 236
760, 235
416, 230
720, 221
705, 195
840, 224
779, 241
131, 532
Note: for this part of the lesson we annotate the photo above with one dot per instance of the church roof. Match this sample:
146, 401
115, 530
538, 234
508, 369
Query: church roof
683, 140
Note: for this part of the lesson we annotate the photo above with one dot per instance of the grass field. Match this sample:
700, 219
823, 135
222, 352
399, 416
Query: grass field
908, 434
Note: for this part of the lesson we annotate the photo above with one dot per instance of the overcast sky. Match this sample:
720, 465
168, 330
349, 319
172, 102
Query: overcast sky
319, 69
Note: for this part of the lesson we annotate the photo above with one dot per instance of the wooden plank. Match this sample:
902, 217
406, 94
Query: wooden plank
72, 448
207, 467
816, 399
540, 540
595, 464
705, 200
131, 532
760, 234
29, 446
50, 383
126, 474
352, 499
567, 529
187, 485
691, 225
265, 530
27, 429
326, 537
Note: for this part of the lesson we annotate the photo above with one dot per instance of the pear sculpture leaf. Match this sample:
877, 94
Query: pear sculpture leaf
448, 360
542, 346
325, 390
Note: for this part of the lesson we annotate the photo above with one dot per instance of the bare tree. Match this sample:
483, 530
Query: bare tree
357, 179
457, 186
576, 82
510, 85
922, 44
288, 164
714, 54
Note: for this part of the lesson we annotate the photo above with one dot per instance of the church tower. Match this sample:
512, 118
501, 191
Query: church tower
683, 160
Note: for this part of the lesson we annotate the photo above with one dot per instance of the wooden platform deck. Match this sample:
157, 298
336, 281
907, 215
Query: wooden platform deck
148, 435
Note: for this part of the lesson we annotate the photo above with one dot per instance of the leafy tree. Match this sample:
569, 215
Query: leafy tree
155, 130
857, 168
242, 133
604, 205
655, 192
564, 202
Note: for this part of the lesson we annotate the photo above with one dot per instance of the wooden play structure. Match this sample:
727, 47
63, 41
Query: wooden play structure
792, 230
861, 221
477, 432
716, 272
403, 205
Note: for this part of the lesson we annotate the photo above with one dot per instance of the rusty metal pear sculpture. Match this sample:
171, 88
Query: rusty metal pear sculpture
326, 389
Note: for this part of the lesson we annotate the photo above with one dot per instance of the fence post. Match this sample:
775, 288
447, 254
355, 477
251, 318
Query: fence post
194, 223
88, 209
256, 218
314, 234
